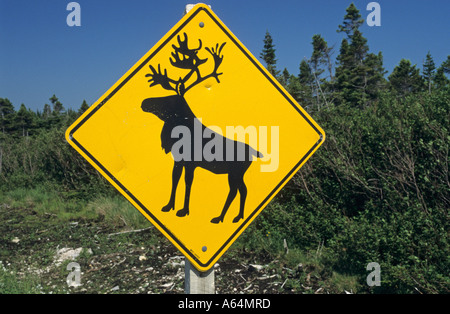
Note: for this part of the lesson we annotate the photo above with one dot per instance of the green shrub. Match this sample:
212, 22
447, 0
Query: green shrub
376, 191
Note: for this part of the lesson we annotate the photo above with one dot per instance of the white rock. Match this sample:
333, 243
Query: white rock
256, 267
142, 258
116, 288
65, 254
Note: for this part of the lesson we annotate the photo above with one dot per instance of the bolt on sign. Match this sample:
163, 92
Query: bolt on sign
198, 136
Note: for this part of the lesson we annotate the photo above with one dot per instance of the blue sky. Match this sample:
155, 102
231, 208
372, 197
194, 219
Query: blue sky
41, 55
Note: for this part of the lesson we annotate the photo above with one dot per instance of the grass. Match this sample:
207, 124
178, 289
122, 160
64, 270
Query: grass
316, 273
44, 220
115, 209
47, 202
10, 283
343, 282
118, 212
39, 221
301, 271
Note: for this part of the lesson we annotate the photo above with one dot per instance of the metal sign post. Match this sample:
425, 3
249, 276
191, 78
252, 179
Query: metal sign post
197, 282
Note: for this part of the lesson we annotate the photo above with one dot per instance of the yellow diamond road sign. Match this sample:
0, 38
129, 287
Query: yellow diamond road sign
198, 136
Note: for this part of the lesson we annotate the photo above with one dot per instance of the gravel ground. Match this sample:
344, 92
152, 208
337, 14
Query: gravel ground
40, 248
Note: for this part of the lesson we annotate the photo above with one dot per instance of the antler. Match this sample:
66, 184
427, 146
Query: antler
189, 59
217, 58
158, 78
185, 58
217, 62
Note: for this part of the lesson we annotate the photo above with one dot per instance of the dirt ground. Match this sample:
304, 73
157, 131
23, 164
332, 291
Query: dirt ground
40, 247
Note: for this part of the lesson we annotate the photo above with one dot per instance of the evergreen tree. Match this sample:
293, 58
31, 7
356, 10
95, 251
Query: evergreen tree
318, 55
268, 55
58, 108
70, 117
84, 107
405, 78
359, 74
446, 65
47, 112
352, 21
350, 71
23, 120
294, 88
440, 79
34, 122
359, 47
345, 64
321, 57
53, 99
319, 62
306, 84
374, 76
305, 75
429, 71
6, 114
284, 78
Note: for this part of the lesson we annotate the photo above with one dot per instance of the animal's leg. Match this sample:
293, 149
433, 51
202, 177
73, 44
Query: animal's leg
176, 174
243, 192
188, 178
230, 198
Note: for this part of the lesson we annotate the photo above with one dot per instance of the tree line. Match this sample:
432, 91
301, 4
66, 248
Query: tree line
378, 189
357, 77
26, 122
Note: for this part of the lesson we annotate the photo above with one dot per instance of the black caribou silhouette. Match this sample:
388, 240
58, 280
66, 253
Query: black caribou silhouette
235, 157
